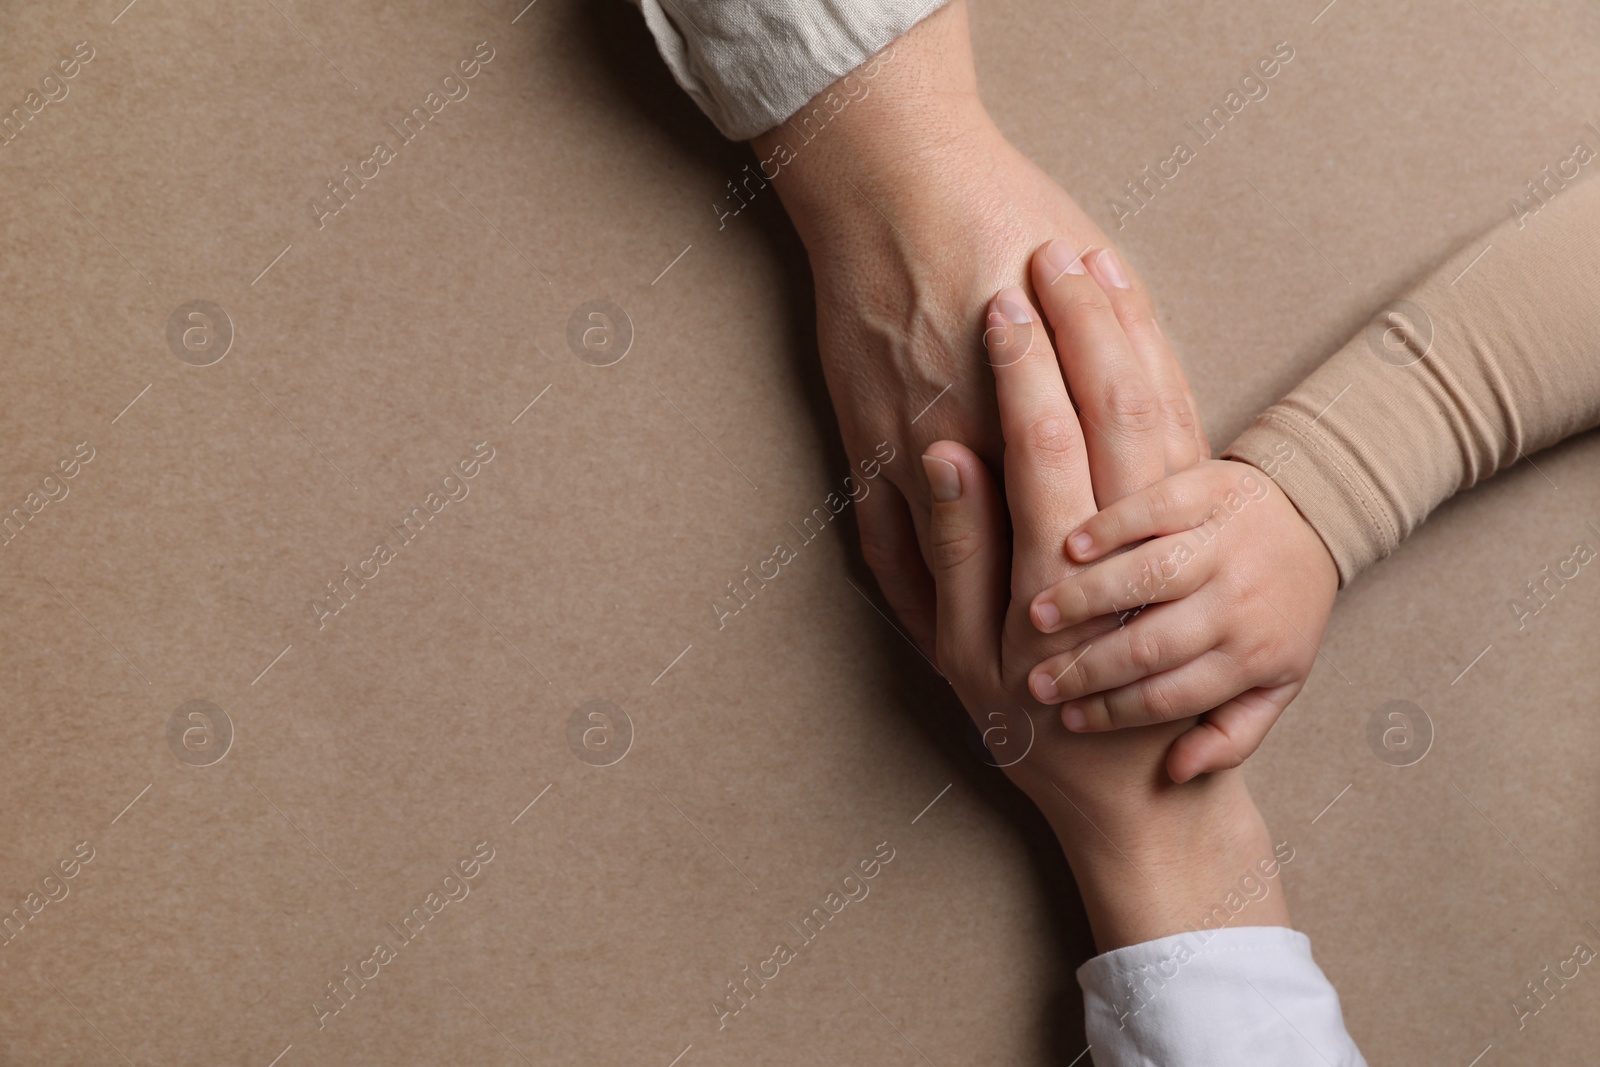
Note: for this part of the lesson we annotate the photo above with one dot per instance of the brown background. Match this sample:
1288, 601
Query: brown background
778, 751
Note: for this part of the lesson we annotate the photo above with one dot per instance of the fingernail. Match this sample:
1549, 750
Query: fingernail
1062, 259
1045, 688
1109, 269
1013, 303
1046, 615
944, 480
1080, 543
1073, 718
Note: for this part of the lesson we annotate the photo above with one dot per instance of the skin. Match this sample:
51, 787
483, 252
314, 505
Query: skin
1242, 586
1151, 857
914, 209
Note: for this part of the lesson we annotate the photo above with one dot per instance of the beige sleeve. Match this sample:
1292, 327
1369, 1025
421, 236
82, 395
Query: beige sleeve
750, 64
1485, 362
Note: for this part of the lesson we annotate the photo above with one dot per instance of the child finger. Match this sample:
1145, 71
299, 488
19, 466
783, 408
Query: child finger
1164, 569
1176, 503
1196, 687
1153, 643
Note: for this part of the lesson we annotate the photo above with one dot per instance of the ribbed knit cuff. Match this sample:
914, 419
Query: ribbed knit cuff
1314, 472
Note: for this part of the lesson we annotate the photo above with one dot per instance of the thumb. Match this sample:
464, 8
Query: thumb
1226, 736
971, 570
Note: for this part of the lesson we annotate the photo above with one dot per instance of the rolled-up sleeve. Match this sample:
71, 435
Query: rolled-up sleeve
1234, 997
750, 64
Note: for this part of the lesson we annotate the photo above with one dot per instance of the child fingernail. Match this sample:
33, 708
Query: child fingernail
944, 480
1046, 615
1044, 687
1073, 718
1109, 269
1061, 258
1080, 543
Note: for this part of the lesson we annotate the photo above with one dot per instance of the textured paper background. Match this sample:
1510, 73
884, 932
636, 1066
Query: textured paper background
371, 356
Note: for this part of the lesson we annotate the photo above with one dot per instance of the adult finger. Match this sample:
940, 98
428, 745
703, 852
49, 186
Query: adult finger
891, 548
1154, 642
1196, 687
1046, 471
1183, 437
1116, 404
1155, 572
1226, 737
967, 539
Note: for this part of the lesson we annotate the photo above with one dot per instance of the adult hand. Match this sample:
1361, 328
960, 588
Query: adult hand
1113, 808
1062, 461
914, 210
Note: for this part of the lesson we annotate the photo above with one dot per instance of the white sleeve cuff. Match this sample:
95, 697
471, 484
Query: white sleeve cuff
1234, 997
750, 64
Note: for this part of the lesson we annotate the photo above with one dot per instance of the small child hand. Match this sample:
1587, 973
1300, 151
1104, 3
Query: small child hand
1240, 588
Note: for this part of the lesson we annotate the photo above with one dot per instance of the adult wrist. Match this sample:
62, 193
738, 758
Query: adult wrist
882, 127
1172, 859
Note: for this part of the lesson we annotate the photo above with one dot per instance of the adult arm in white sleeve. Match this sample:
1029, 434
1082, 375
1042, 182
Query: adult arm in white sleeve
750, 64
914, 210
1233, 997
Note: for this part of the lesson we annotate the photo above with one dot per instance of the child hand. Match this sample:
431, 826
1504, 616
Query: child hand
1241, 588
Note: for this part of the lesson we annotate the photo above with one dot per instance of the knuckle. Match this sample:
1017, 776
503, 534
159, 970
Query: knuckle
1053, 435
1071, 599
952, 546
1144, 650
1142, 583
1160, 700
1075, 601
1162, 501
1131, 403
1121, 711
1230, 756
1245, 597
1083, 301
1175, 410
1085, 672
882, 558
1265, 659
1136, 312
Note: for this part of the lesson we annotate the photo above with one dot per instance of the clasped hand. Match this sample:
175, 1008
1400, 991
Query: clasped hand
1142, 583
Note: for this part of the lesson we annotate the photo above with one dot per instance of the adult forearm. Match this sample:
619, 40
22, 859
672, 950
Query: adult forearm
886, 123
1153, 859
1197, 963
